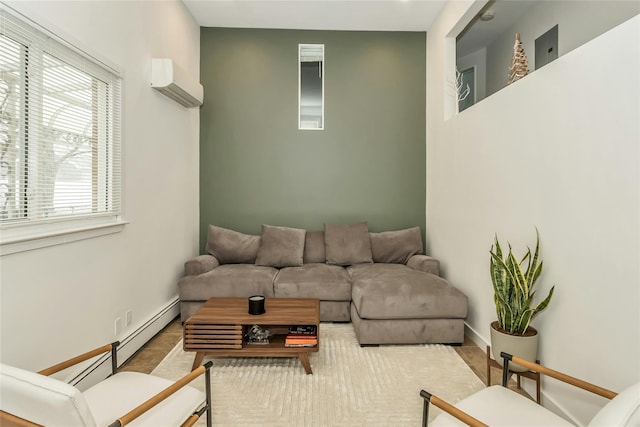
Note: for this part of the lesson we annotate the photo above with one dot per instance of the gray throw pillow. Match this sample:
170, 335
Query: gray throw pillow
232, 247
347, 244
314, 247
281, 247
396, 246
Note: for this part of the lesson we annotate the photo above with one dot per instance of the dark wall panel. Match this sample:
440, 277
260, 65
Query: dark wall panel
367, 165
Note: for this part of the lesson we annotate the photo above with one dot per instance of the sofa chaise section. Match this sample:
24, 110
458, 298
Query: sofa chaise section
396, 304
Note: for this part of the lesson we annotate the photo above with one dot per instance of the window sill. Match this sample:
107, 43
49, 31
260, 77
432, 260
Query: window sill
12, 241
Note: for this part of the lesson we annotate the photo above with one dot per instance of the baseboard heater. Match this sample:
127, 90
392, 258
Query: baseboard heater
129, 345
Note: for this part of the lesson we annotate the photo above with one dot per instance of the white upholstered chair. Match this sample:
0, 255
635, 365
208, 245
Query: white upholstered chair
125, 398
499, 406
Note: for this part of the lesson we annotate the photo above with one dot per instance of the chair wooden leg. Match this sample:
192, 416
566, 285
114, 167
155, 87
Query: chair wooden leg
488, 366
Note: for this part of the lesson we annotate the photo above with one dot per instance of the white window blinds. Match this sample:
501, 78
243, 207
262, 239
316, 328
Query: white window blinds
59, 129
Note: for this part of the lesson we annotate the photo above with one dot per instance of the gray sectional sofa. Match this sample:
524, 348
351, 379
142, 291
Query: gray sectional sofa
382, 282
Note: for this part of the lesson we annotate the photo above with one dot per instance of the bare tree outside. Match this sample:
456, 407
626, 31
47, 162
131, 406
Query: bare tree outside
52, 167
9, 129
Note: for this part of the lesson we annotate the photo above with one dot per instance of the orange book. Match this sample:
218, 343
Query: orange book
301, 341
302, 337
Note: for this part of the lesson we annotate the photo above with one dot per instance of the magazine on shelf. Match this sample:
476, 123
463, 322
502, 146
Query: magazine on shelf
303, 330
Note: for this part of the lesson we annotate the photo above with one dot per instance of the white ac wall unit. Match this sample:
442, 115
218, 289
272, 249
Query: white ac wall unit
168, 78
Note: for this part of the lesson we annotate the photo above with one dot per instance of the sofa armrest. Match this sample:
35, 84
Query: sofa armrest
424, 263
200, 264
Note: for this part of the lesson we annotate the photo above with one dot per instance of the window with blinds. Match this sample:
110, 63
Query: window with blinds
59, 130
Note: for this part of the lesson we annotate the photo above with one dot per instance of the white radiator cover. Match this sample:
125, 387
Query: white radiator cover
171, 80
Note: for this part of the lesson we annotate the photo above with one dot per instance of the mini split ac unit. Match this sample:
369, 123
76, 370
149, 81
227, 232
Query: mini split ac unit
171, 80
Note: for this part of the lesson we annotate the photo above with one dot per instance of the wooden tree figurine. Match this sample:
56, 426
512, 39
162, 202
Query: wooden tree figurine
519, 62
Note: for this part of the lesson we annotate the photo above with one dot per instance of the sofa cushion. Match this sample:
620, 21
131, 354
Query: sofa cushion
230, 280
314, 247
396, 246
347, 244
232, 247
322, 281
281, 246
395, 291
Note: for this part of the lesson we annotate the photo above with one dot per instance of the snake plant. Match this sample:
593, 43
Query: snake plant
513, 288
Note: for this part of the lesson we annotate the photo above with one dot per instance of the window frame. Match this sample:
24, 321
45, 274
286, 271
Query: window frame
302, 124
27, 234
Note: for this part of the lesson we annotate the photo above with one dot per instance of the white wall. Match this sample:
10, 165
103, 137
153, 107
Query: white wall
578, 22
62, 300
558, 150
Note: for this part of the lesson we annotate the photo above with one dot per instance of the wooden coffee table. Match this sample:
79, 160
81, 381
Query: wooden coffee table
218, 328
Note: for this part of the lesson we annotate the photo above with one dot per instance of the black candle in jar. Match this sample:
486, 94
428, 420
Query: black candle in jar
256, 304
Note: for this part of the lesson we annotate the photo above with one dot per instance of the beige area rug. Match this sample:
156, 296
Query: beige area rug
350, 385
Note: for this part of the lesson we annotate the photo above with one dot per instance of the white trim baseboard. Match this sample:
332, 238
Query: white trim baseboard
101, 368
475, 336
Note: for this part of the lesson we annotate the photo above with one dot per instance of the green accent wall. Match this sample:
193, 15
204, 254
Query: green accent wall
367, 165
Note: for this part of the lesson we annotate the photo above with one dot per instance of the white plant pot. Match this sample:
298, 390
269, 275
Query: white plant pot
525, 346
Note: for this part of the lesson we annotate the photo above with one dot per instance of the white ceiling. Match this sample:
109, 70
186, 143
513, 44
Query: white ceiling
355, 15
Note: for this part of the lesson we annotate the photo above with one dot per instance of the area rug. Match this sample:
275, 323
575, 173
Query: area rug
350, 385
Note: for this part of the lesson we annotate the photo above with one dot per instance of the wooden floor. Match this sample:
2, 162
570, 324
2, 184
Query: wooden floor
152, 353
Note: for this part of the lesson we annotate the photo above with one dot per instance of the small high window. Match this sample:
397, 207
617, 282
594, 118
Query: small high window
311, 86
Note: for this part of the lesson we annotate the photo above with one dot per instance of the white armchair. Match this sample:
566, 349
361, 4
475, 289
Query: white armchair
499, 406
125, 398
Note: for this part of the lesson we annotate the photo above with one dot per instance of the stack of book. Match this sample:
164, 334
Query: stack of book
302, 336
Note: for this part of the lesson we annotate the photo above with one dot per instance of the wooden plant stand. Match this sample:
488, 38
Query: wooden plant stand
217, 329
527, 374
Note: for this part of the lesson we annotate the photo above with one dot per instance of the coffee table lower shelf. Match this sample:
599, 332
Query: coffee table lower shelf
275, 348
